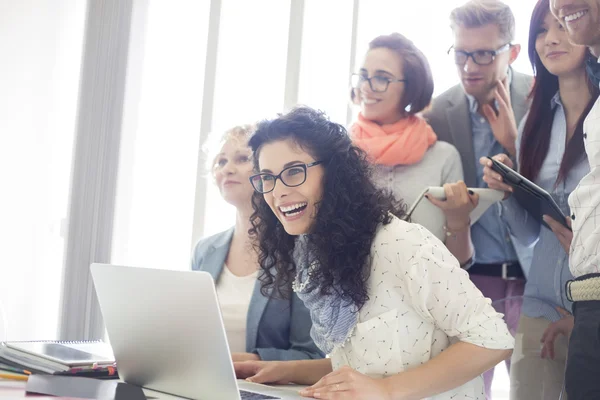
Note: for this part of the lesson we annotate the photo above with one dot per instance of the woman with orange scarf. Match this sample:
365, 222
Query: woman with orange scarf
393, 86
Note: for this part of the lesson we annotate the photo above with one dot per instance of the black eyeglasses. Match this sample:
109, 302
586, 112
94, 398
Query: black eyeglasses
292, 176
377, 83
480, 57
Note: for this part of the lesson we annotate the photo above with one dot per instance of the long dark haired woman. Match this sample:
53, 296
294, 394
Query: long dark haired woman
550, 153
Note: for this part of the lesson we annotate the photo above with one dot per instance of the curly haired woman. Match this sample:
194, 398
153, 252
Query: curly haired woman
390, 305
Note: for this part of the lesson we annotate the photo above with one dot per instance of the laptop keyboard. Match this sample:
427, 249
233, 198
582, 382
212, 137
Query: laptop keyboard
255, 396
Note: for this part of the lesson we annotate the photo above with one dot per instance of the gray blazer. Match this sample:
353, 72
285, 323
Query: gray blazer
450, 119
276, 329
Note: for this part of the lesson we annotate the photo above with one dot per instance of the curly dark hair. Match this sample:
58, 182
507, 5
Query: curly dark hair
347, 216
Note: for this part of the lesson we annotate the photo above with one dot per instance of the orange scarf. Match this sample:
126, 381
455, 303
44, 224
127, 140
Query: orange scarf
404, 142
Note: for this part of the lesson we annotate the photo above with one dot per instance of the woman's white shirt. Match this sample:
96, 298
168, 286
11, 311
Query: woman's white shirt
234, 294
420, 302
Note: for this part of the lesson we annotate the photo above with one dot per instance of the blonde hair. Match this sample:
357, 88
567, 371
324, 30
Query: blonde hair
478, 13
214, 142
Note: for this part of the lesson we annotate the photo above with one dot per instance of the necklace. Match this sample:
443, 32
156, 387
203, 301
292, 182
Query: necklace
297, 286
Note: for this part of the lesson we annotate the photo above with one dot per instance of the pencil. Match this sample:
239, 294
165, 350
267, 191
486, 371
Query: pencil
14, 377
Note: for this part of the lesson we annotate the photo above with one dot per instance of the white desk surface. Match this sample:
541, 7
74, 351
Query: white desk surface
16, 390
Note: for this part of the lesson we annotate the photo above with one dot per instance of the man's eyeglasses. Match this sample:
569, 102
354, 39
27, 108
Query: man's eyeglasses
292, 176
377, 83
480, 57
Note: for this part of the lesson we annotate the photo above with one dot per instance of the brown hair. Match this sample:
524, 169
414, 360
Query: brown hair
419, 80
478, 13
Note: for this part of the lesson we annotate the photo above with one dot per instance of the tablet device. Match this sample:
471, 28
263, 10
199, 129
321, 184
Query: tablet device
530, 196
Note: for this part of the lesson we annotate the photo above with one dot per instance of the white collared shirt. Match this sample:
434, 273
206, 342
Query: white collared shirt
584, 202
420, 302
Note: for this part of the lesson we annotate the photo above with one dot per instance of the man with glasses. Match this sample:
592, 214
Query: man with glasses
480, 118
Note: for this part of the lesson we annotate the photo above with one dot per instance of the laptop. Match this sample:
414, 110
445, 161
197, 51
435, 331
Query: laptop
167, 334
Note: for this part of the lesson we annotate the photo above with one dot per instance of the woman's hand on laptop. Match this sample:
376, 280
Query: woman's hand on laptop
301, 372
347, 383
244, 357
494, 179
277, 372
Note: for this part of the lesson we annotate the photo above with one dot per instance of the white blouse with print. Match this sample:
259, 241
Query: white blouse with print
421, 302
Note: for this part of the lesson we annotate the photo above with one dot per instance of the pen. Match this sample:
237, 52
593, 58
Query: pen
8, 368
14, 377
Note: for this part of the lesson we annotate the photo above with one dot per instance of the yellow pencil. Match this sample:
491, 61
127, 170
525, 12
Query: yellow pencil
14, 377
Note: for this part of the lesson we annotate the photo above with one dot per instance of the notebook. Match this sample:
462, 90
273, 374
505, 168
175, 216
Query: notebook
58, 356
421, 206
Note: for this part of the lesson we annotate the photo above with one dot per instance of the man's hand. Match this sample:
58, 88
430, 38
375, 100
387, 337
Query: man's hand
563, 326
564, 235
504, 126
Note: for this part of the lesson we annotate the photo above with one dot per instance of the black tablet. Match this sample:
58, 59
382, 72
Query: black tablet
530, 196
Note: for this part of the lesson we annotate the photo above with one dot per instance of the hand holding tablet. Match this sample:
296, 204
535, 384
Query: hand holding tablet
530, 196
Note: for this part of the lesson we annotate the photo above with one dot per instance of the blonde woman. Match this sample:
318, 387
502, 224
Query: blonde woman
258, 327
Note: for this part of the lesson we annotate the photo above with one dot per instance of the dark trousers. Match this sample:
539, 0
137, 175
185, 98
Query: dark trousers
582, 377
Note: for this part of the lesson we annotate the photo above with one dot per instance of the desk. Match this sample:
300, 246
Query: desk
16, 390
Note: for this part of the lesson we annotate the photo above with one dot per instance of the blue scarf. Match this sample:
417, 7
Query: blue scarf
333, 320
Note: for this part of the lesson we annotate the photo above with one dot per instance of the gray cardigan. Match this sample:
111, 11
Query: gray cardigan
276, 329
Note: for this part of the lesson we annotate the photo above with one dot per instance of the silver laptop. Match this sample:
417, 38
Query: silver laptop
167, 334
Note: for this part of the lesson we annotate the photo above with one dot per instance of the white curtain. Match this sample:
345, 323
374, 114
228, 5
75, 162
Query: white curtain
40, 44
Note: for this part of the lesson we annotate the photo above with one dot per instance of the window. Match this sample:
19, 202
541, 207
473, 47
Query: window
250, 79
160, 138
38, 102
326, 49
522, 11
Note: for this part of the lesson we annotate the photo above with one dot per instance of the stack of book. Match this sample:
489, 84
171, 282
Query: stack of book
91, 359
